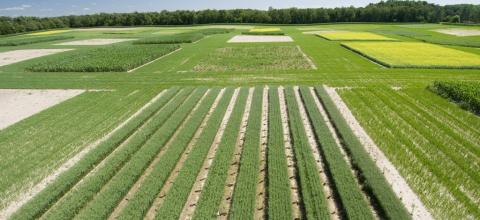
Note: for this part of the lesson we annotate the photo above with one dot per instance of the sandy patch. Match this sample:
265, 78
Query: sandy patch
459, 32
260, 212
259, 39
94, 42
16, 56
20, 104
411, 201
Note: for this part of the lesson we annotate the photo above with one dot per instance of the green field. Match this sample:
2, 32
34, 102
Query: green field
232, 136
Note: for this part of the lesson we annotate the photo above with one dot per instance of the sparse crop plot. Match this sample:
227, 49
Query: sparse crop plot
259, 39
460, 32
415, 55
106, 59
261, 58
15, 56
353, 36
94, 42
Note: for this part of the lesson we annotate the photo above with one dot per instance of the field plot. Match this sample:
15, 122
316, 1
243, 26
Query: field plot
31, 40
94, 42
203, 153
259, 39
432, 142
48, 32
460, 32
120, 58
262, 58
415, 55
264, 31
353, 36
15, 56
172, 39
20, 104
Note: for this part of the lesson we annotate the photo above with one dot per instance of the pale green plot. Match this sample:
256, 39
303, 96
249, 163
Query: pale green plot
348, 36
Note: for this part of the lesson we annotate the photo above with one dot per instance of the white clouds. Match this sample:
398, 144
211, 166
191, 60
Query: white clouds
16, 8
86, 9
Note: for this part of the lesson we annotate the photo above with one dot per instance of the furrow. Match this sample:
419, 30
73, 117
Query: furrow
261, 185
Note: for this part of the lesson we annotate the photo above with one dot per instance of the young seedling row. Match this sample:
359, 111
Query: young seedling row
228, 153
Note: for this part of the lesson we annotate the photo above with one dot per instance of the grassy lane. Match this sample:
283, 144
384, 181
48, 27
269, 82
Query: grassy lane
143, 198
213, 190
279, 195
71, 201
311, 187
46, 198
349, 193
244, 196
388, 205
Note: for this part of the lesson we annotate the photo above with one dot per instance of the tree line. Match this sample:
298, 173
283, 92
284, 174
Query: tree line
385, 11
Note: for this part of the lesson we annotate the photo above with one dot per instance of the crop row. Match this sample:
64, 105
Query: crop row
189, 37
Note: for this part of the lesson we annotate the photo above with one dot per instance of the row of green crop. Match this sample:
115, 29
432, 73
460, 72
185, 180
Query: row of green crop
245, 192
344, 184
141, 201
78, 197
279, 203
387, 204
213, 190
467, 95
31, 40
311, 187
63, 183
117, 58
189, 37
110, 195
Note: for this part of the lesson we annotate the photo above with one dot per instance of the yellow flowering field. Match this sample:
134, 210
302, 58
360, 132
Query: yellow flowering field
413, 54
351, 36
48, 32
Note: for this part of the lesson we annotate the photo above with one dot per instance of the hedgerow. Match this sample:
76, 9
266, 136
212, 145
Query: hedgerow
466, 94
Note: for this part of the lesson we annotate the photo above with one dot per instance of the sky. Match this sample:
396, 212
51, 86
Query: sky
46, 8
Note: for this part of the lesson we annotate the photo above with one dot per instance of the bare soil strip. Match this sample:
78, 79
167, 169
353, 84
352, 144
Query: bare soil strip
259, 39
157, 158
411, 201
312, 64
26, 196
292, 171
15, 56
190, 204
327, 185
166, 55
168, 184
93, 42
261, 185
460, 32
235, 164
340, 146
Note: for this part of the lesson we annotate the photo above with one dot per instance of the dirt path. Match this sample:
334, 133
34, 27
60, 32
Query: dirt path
26, 196
226, 203
398, 183
190, 204
327, 185
312, 64
173, 175
292, 171
261, 186
152, 165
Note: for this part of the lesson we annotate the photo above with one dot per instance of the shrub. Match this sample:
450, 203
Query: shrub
466, 94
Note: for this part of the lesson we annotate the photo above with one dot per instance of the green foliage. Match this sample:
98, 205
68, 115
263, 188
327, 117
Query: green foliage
172, 39
31, 40
118, 58
466, 94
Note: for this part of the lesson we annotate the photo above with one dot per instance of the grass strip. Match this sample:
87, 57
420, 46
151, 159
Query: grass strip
172, 39
346, 188
116, 58
47, 197
107, 199
374, 183
142, 200
310, 185
244, 194
31, 40
279, 204
69, 205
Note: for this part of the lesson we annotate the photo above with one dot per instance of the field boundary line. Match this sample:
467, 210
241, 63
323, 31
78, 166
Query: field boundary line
333, 206
192, 200
23, 198
292, 171
260, 212
226, 201
309, 60
399, 185
166, 55
174, 173
134, 188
